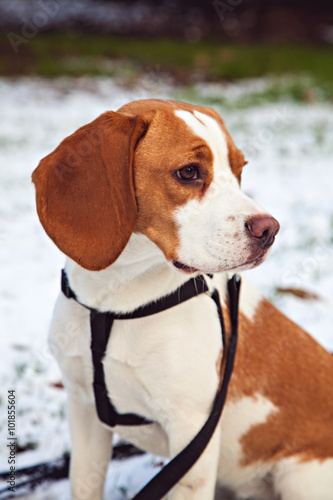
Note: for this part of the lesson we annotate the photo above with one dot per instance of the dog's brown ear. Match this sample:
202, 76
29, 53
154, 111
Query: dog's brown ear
85, 193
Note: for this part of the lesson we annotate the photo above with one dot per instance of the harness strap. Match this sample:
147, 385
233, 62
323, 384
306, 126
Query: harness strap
100, 327
189, 289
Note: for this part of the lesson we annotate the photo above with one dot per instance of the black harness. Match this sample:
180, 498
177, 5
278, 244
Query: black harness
101, 325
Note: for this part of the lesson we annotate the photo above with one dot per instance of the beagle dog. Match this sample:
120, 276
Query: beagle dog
140, 200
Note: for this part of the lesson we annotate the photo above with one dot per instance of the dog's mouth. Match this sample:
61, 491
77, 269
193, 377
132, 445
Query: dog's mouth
183, 267
249, 264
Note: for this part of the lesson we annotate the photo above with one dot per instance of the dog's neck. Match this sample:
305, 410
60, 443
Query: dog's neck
140, 275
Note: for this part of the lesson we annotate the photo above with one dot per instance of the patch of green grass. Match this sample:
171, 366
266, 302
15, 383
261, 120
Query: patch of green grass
20, 369
39, 367
274, 89
59, 53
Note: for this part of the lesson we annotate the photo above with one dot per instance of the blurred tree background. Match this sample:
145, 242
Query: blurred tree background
192, 40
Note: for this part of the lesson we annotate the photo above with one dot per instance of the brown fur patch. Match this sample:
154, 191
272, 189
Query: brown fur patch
84, 190
280, 361
299, 292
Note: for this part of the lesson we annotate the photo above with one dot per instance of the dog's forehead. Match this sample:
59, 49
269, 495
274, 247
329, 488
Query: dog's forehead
177, 126
209, 129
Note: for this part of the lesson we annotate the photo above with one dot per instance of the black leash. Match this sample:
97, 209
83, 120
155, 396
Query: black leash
101, 324
169, 476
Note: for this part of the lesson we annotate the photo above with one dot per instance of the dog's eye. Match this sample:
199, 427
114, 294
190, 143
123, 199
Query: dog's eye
189, 173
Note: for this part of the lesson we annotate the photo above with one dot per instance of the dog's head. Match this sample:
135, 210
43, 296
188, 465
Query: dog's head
165, 169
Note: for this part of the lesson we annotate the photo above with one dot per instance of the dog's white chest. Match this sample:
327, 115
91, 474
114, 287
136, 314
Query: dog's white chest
152, 365
165, 360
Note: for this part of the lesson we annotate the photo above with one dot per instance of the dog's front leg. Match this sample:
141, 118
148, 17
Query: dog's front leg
199, 483
91, 451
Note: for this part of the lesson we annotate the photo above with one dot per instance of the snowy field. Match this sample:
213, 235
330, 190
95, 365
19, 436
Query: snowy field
290, 149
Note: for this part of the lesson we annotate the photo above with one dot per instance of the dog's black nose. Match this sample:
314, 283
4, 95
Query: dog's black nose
263, 228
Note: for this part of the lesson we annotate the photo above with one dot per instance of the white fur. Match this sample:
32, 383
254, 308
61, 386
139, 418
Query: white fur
250, 299
130, 282
246, 480
297, 480
212, 230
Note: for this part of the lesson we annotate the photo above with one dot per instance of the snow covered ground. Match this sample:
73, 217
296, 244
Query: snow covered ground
290, 149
